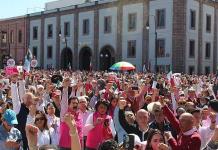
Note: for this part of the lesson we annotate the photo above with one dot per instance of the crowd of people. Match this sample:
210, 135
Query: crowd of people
73, 110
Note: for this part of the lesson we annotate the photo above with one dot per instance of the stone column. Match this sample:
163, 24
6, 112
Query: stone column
42, 41
118, 52
215, 40
58, 56
200, 32
75, 37
179, 35
95, 54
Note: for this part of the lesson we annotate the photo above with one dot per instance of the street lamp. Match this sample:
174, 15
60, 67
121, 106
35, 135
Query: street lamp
155, 47
65, 41
64, 38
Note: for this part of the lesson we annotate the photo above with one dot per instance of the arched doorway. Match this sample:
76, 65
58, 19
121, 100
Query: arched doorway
107, 57
85, 56
66, 58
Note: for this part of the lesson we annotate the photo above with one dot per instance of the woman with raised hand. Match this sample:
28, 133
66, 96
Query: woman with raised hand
99, 125
46, 135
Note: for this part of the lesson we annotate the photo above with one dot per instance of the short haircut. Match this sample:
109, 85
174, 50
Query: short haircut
72, 98
109, 145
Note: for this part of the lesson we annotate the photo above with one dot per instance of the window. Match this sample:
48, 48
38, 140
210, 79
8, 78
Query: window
160, 18
11, 37
50, 31
67, 29
191, 70
160, 48
192, 19
207, 70
208, 23
132, 48
49, 52
35, 33
4, 37
132, 22
107, 24
85, 26
191, 48
35, 52
207, 51
19, 36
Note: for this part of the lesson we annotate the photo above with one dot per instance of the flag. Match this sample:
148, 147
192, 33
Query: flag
27, 61
171, 78
144, 68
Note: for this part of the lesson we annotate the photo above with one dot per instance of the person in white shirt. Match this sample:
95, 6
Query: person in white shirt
46, 135
207, 132
85, 114
53, 121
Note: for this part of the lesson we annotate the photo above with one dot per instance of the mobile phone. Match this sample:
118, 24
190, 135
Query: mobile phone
128, 142
135, 88
106, 122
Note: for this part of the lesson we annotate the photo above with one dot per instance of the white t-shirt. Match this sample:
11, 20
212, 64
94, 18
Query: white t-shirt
47, 137
206, 133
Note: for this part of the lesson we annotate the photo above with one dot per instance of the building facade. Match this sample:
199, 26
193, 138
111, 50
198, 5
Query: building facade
184, 33
13, 39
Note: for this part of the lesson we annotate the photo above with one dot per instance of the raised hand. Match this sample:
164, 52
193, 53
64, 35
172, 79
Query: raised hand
31, 133
163, 146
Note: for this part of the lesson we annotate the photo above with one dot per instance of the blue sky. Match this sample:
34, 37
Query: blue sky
12, 8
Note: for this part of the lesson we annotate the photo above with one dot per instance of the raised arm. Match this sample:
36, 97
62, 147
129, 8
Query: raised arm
15, 98
21, 89
170, 116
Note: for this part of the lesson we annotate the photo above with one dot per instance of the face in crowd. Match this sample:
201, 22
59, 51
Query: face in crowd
142, 117
186, 121
154, 139
73, 103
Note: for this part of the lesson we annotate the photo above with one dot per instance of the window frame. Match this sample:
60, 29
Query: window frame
130, 22
157, 48
66, 27
107, 27
35, 35
130, 43
157, 18
50, 33
192, 11
86, 26
206, 44
33, 51
191, 40
210, 27
48, 52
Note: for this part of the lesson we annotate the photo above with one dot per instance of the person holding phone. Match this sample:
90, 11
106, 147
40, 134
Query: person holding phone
99, 125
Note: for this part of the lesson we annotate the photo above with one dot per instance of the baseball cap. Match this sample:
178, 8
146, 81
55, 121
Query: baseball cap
10, 117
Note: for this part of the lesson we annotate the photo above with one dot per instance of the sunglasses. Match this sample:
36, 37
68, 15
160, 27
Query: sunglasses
182, 103
41, 118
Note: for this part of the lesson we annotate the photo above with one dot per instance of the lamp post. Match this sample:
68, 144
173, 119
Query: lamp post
64, 39
155, 46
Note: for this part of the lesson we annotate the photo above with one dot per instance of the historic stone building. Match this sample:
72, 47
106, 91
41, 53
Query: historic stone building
106, 31
13, 39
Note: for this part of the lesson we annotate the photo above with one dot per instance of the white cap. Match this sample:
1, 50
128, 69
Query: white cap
152, 106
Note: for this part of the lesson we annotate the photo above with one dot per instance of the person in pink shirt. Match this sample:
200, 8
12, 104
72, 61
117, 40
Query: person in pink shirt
65, 140
100, 126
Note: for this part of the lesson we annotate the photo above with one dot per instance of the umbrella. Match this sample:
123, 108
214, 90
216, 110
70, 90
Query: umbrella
122, 66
